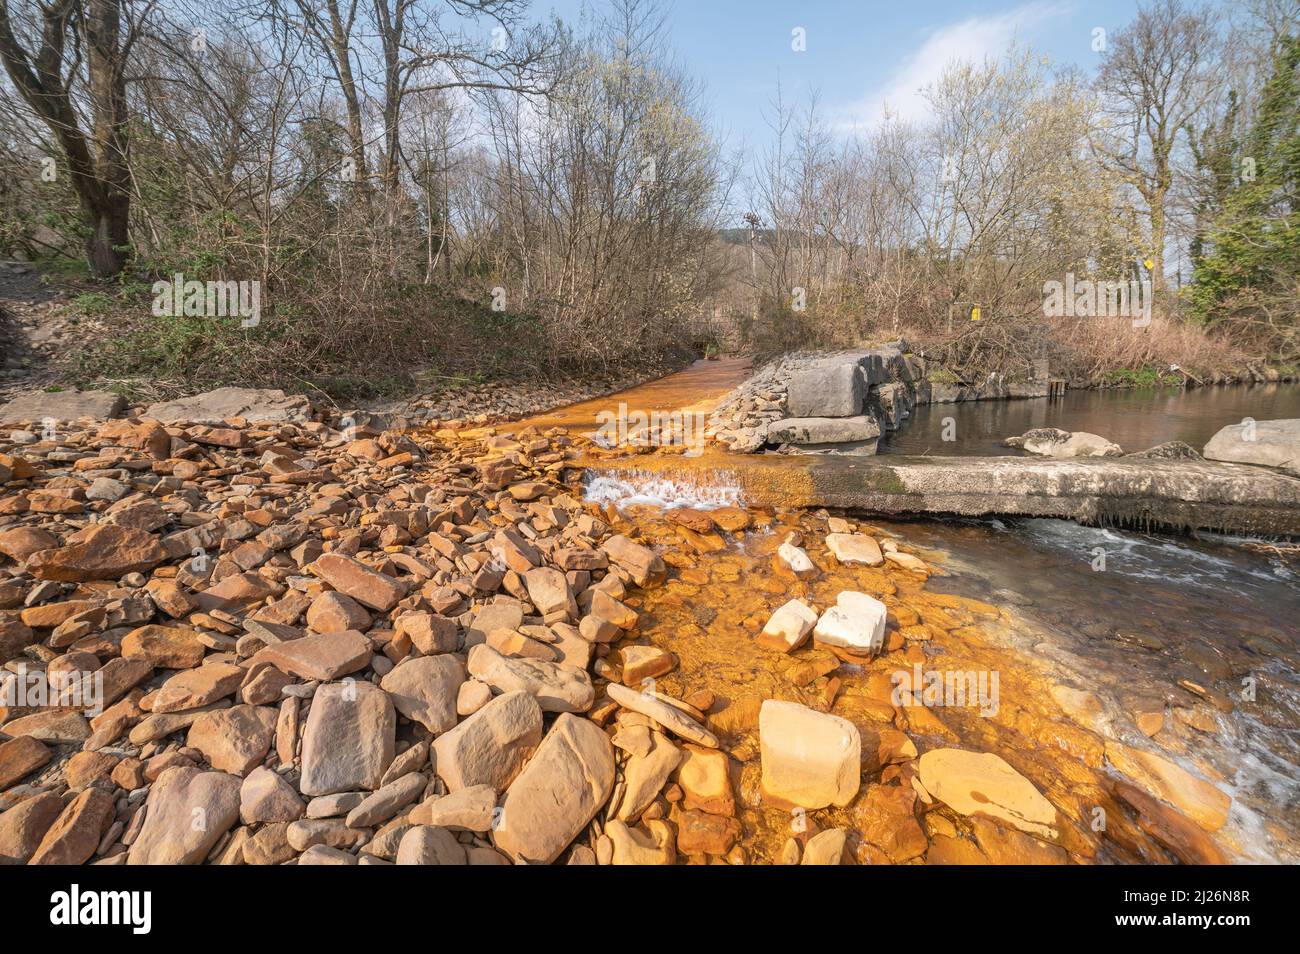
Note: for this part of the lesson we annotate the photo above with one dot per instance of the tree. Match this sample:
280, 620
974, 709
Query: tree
1157, 76
54, 81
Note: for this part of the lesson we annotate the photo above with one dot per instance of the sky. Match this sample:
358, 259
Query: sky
859, 55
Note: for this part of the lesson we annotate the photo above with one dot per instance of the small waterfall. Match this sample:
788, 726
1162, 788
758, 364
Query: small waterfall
625, 488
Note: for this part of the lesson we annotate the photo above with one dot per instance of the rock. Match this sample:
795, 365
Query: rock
265, 405
1007, 846
366, 586
382, 805
1186, 840
645, 567
669, 716
982, 783
704, 777
828, 388
348, 742
199, 687
640, 663
556, 688
233, 740
886, 818
1062, 445
186, 814
549, 591
788, 627
324, 656
559, 791
75, 834
793, 560
20, 757
856, 624
103, 552
810, 759
1202, 802
21, 542
432, 634
37, 406
164, 647
23, 826
652, 844
469, 809
699, 833
424, 690
325, 855
825, 847
492, 745
1264, 443
855, 549
644, 776
265, 796
823, 430
335, 612
422, 845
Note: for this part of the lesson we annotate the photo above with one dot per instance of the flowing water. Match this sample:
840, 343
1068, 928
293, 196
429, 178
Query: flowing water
1139, 620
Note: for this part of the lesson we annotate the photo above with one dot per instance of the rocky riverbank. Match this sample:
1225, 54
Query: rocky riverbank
359, 646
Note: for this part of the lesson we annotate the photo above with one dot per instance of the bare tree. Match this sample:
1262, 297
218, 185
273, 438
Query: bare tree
1157, 77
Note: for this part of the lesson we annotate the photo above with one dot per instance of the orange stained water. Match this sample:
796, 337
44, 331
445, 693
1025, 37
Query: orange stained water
709, 613
697, 388
716, 601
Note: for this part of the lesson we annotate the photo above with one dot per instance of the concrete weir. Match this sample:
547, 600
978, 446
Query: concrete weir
1169, 494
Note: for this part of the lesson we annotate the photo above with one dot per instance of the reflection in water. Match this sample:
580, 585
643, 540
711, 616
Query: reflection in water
1135, 420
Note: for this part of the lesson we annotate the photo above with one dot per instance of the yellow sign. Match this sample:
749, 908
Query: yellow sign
974, 312
1148, 263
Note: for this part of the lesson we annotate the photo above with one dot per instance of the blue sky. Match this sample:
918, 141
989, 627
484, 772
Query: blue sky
859, 55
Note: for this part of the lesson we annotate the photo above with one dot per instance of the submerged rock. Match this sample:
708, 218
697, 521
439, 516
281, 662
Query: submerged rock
1054, 442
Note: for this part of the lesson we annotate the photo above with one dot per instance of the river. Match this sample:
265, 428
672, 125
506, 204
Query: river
1133, 419
1140, 620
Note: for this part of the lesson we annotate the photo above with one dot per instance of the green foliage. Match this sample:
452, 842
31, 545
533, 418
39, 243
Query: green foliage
1252, 263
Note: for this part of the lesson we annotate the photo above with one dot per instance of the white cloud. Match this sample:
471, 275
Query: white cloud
971, 40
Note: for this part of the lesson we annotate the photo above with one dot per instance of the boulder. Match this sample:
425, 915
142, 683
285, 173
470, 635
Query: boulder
855, 549
810, 759
788, 627
492, 745
556, 688
856, 624
558, 793
102, 552
1266, 443
266, 405
424, 690
37, 406
348, 742
1062, 445
829, 388
983, 783
823, 430
186, 814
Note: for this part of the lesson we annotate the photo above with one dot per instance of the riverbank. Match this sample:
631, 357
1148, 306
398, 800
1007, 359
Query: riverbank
230, 582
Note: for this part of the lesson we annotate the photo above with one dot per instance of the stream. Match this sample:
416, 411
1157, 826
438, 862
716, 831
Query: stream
1196, 634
